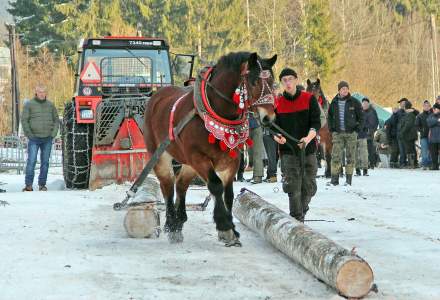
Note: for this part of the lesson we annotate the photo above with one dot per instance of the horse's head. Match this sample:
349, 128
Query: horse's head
314, 88
260, 81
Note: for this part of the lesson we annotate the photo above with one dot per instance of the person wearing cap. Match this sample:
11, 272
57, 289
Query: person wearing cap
398, 153
371, 124
437, 100
422, 127
433, 122
407, 133
298, 114
391, 131
344, 121
366, 132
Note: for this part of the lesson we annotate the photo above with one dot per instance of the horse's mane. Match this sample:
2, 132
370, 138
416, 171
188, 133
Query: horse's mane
233, 60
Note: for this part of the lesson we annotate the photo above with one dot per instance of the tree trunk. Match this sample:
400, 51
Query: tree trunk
349, 274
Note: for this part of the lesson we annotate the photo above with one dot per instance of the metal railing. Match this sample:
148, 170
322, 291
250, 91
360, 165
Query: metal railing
13, 153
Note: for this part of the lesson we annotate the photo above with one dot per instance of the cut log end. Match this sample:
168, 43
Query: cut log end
354, 279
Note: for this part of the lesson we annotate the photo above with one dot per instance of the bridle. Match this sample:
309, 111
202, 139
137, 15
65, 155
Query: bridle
263, 99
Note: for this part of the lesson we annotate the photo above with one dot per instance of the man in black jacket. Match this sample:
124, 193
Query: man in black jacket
298, 114
344, 121
422, 127
391, 132
371, 122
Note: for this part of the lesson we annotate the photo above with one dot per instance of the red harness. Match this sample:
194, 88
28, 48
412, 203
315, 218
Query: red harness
171, 122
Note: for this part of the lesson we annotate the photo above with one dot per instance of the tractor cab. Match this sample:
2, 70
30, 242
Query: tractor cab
102, 125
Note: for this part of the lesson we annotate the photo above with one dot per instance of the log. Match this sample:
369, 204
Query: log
143, 220
349, 274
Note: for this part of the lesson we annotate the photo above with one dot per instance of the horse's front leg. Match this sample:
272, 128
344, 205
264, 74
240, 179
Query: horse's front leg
186, 175
164, 173
227, 177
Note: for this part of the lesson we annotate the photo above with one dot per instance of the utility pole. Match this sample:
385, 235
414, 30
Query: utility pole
15, 92
435, 55
248, 25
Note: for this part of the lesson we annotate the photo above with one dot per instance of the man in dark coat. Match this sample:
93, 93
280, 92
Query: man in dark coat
408, 133
433, 122
344, 121
297, 113
391, 132
422, 127
371, 121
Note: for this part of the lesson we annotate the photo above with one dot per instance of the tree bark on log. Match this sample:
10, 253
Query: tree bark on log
143, 221
349, 274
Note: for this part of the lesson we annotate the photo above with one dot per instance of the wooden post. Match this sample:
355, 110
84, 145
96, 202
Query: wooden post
15, 118
435, 52
349, 274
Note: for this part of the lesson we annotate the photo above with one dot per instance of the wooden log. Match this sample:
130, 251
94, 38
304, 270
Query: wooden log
143, 220
349, 274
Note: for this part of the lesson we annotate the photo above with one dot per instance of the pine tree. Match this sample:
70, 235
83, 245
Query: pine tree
320, 43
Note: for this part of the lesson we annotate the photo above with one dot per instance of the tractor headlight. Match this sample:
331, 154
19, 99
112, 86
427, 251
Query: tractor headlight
86, 114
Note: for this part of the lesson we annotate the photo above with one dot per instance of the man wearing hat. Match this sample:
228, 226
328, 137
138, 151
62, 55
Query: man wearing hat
434, 135
297, 113
422, 127
344, 121
407, 133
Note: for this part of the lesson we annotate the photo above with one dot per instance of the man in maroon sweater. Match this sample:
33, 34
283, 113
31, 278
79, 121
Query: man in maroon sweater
297, 113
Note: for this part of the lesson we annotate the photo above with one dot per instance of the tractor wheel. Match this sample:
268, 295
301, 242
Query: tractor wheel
77, 142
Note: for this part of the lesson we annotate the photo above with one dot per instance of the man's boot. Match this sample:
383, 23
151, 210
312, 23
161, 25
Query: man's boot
365, 172
348, 178
358, 172
295, 208
335, 180
257, 180
411, 161
28, 188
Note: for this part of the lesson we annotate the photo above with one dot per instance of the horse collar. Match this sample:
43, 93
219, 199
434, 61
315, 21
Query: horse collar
231, 134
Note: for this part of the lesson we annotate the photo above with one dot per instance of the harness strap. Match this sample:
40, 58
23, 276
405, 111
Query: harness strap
171, 121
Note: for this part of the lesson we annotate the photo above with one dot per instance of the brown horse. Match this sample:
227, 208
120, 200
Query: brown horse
325, 137
207, 146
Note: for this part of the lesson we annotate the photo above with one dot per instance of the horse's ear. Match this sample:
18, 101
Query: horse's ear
252, 59
244, 69
309, 83
318, 81
271, 61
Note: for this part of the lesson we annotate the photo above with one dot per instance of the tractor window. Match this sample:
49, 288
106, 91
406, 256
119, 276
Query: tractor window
130, 66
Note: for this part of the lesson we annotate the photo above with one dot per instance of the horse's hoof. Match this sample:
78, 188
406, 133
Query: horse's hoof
234, 243
229, 238
175, 237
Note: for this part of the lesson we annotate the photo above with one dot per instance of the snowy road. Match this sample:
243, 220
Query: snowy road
72, 245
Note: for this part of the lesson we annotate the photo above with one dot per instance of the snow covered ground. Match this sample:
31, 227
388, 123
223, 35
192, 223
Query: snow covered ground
65, 244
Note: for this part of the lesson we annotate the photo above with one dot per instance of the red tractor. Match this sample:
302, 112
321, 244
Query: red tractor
102, 139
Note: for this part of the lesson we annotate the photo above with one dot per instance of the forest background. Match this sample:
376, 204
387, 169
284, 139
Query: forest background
383, 48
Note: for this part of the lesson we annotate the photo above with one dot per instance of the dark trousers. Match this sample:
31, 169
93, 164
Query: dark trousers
241, 166
372, 156
300, 187
410, 148
402, 152
271, 150
45, 147
434, 149
394, 148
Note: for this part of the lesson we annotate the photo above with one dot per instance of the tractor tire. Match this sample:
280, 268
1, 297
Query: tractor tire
77, 142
